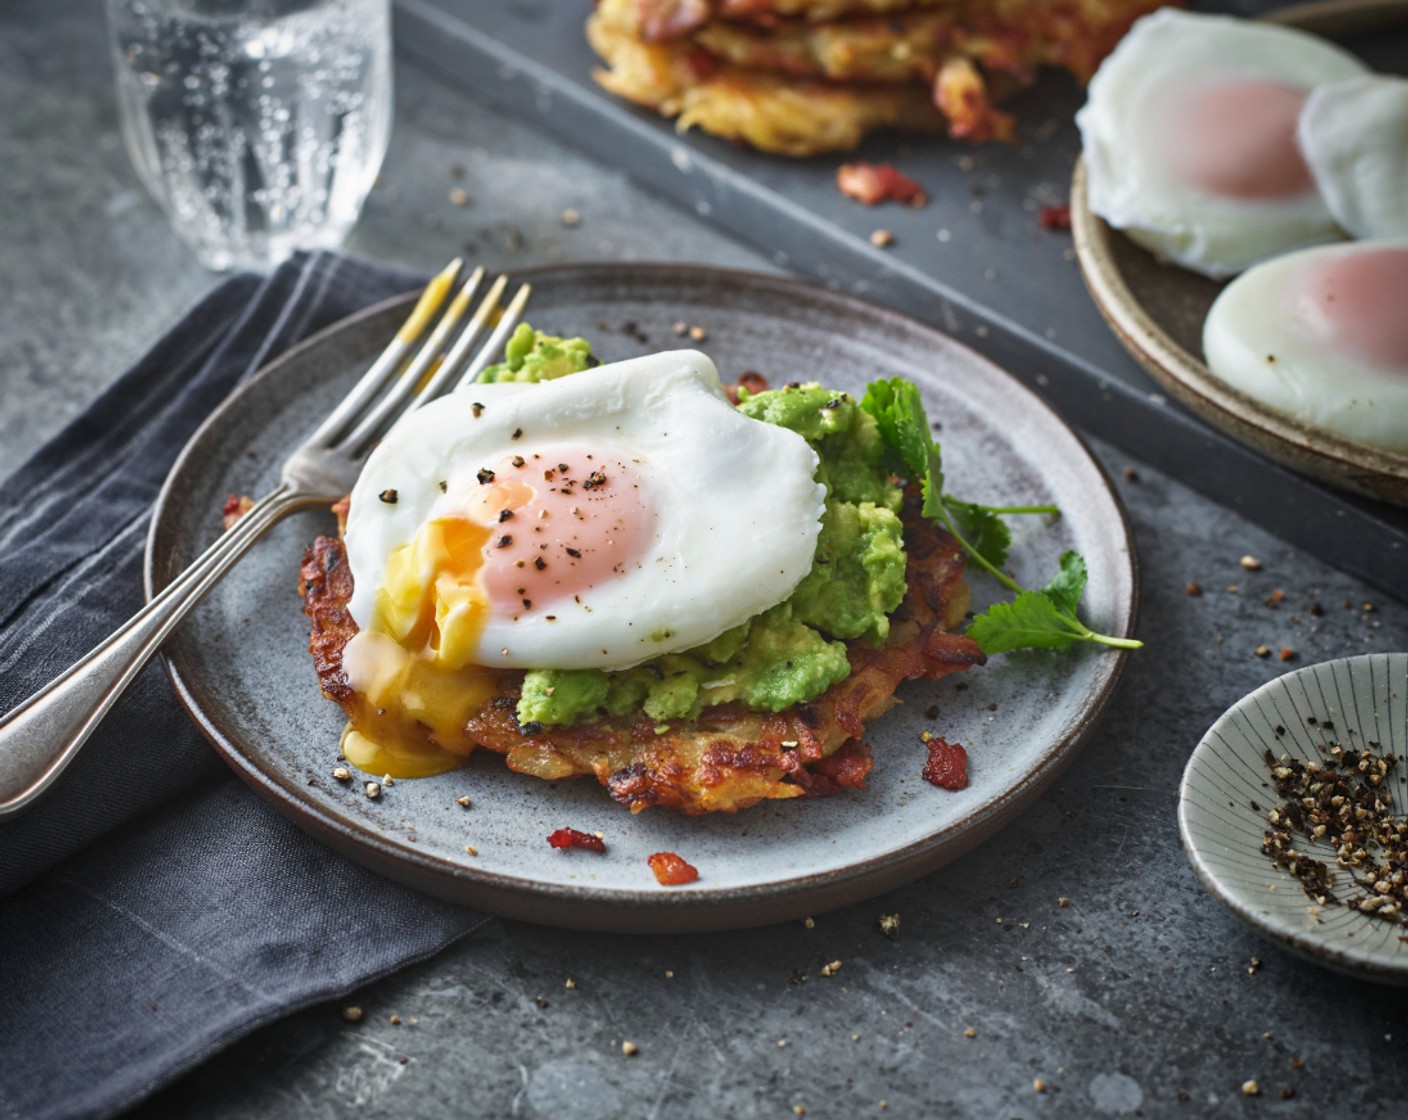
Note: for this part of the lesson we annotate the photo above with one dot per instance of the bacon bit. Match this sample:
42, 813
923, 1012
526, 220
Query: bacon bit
753, 381
670, 870
1056, 217
750, 380
870, 183
571, 838
846, 769
235, 508
661, 22
947, 767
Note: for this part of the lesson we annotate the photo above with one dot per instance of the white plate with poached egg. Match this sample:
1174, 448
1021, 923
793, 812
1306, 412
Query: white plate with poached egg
241, 666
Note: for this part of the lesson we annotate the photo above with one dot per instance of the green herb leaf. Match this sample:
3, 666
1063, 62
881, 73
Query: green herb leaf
899, 414
1044, 619
1030, 621
1067, 585
983, 528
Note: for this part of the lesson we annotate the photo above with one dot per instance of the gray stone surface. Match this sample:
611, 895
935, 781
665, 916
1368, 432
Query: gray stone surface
1137, 998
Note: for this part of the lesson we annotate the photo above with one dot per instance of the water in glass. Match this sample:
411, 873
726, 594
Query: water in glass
259, 125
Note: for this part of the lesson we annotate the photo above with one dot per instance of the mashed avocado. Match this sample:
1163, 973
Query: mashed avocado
534, 356
793, 651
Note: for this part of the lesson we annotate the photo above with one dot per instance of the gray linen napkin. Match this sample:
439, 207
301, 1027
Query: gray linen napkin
157, 910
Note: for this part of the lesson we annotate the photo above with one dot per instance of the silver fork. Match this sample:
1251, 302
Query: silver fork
41, 736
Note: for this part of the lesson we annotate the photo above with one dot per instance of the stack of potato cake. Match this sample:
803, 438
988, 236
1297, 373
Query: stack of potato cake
798, 77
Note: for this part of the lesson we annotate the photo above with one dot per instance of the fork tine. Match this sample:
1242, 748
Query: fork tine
455, 358
374, 380
432, 350
505, 326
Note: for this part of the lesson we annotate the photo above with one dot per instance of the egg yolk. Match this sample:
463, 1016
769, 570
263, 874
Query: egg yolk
1236, 139
1353, 304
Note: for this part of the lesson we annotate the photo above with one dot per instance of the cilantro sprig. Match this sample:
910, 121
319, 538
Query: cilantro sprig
1035, 619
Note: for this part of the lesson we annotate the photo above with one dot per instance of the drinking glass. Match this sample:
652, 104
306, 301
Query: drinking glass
258, 125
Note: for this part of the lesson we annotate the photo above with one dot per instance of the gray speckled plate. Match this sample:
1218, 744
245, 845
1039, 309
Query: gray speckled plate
241, 667
1222, 833
1157, 310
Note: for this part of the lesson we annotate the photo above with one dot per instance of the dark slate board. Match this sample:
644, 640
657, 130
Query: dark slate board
974, 261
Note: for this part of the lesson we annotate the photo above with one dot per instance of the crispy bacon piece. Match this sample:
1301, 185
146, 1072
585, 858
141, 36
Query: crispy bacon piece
871, 183
749, 379
963, 96
235, 507
731, 757
670, 19
947, 767
573, 838
846, 769
1056, 217
672, 871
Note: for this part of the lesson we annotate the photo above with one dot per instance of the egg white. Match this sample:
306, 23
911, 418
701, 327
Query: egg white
736, 505
1254, 342
1128, 183
1354, 135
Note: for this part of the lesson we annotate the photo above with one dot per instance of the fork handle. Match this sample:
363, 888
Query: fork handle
41, 736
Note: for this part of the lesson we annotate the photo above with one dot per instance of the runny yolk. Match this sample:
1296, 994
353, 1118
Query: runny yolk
1236, 139
416, 687
1354, 304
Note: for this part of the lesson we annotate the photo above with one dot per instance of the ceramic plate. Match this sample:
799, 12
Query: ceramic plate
1157, 310
240, 663
1365, 699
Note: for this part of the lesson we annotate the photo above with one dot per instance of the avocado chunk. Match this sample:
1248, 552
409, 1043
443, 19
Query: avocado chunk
535, 356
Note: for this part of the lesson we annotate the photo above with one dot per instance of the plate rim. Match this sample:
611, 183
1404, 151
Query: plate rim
1331, 458
666, 911
1347, 961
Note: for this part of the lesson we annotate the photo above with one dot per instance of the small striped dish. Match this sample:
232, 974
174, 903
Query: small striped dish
1227, 774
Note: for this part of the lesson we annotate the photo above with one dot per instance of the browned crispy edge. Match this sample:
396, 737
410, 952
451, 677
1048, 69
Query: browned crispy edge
731, 757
